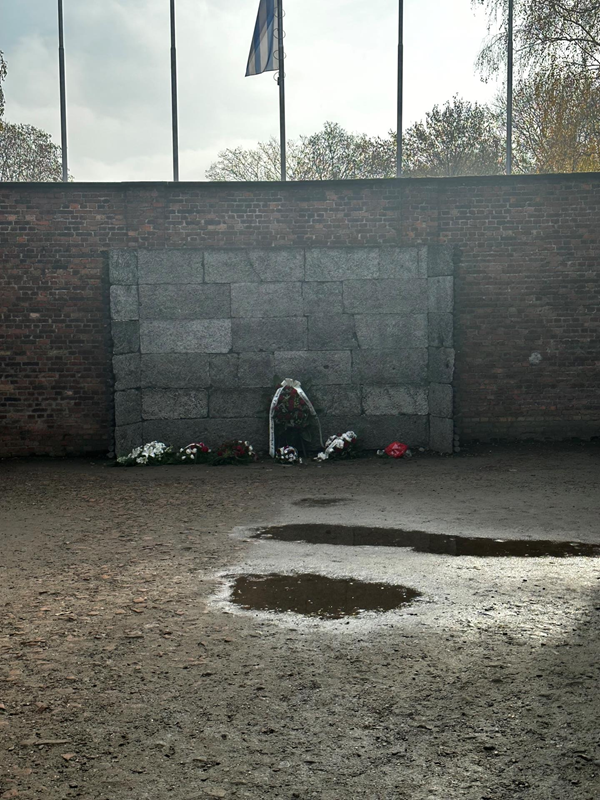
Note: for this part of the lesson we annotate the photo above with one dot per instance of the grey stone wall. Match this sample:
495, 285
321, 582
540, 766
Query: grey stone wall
200, 336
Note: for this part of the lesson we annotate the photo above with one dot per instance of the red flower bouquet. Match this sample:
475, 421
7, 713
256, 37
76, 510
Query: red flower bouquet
292, 410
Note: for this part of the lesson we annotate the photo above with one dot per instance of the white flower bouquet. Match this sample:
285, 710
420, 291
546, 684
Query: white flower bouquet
153, 453
343, 446
194, 453
288, 455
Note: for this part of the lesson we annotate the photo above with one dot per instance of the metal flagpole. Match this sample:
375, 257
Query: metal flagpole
509, 90
400, 89
281, 83
174, 96
63, 93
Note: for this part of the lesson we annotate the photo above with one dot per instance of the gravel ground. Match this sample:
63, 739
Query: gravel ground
125, 672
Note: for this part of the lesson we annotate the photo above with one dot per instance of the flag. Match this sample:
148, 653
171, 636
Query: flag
264, 55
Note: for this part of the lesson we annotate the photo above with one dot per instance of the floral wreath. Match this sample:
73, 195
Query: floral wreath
297, 412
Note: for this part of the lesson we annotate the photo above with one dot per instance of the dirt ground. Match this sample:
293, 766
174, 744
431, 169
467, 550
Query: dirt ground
125, 672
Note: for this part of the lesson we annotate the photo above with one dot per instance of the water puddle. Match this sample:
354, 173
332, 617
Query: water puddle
361, 536
317, 595
319, 502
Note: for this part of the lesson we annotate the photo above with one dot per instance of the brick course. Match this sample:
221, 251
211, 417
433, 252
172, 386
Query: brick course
526, 281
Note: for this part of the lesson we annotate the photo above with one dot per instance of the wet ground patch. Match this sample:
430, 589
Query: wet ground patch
319, 596
422, 542
320, 502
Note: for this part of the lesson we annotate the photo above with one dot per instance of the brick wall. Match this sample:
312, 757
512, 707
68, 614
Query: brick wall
527, 268
527, 305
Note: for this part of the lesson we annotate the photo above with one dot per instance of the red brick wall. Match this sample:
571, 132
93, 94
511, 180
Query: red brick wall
527, 280
55, 375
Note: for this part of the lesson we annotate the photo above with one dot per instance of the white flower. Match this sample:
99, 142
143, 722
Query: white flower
336, 443
288, 454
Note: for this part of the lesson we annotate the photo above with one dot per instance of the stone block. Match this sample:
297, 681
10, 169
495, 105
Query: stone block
440, 260
331, 332
441, 330
175, 371
325, 368
404, 295
174, 403
375, 433
266, 299
386, 368
128, 407
440, 295
176, 301
213, 432
224, 370
391, 331
127, 437
336, 400
336, 264
126, 369
399, 262
278, 264
267, 335
384, 401
322, 297
246, 370
256, 369
441, 432
441, 364
170, 266
125, 336
186, 336
229, 266
122, 267
441, 400
228, 403
124, 303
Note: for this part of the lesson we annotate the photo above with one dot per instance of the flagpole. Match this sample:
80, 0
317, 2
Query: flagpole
63, 92
400, 89
281, 83
509, 89
174, 124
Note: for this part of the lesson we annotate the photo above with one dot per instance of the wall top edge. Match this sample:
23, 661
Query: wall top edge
299, 185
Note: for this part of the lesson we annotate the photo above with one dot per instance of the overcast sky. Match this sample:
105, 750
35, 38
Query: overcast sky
340, 66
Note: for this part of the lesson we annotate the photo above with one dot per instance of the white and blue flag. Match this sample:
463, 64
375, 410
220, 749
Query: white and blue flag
264, 48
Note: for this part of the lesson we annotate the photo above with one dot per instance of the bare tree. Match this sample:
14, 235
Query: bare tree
460, 138
329, 154
2, 77
563, 34
26, 153
335, 154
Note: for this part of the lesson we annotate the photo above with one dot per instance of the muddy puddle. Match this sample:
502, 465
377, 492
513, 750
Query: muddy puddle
317, 595
440, 544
